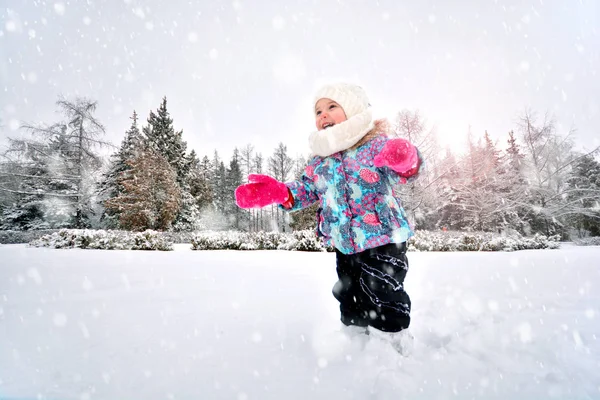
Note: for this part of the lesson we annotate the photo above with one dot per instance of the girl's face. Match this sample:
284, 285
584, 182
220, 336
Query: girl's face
328, 113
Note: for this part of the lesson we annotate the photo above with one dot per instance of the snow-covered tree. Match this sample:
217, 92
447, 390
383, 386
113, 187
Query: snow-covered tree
583, 196
56, 170
234, 178
220, 188
189, 212
160, 136
512, 188
151, 195
203, 191
258, 162
280, 166
419, 196
305, 218
548, 157
257, 222
109, 186
450, 202
246, 160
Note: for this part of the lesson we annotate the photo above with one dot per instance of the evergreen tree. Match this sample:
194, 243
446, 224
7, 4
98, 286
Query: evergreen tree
221, 189
161, 137
234, 178
474, 190
189, 213
150, 196
246, 160
512, 188
450, 208
109, 187
583, 200
27, 185
204, 192
258, 163
259, 214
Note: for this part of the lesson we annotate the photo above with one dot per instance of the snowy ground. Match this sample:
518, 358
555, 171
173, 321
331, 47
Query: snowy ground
86, 324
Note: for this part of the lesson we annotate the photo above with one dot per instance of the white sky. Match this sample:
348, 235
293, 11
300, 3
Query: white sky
240, 72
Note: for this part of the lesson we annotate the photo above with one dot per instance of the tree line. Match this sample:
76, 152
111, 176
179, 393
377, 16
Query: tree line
55, 178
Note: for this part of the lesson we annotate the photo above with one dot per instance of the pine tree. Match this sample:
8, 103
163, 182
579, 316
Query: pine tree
474, 192
163, 139
195, 178
26, 183
450, 208
246, 159
151, 195
258, 163
233, 180
109, 187
259, 215
217, 180
583, 200
204, 195
221, 188
512, 188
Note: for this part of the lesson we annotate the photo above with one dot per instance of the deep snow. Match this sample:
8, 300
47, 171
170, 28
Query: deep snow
93, 324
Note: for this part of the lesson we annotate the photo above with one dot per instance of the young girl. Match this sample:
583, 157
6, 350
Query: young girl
352, 175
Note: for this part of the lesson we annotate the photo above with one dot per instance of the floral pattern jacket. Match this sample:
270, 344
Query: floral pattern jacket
359, 208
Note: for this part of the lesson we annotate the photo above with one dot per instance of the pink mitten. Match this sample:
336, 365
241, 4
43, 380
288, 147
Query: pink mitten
399, 155
261, 191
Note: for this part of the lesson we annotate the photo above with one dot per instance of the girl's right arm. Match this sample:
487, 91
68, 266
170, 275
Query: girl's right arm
303, 191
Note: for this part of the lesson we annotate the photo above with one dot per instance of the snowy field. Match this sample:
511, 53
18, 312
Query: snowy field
87, 324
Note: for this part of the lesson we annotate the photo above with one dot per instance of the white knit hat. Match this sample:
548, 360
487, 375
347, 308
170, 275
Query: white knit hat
359, 120
353, 99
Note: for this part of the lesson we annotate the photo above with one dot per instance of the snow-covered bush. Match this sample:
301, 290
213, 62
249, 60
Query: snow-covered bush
231, 240
481, 241
268, 240
423, 241
150, 240
305, 240
590, 241
105, 240
13, 237
302, 241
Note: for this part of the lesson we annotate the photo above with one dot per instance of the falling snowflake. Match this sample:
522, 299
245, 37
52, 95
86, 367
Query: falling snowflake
59, 8
278, 23
60, 320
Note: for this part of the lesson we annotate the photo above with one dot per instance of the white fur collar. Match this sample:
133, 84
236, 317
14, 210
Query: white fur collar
341, 136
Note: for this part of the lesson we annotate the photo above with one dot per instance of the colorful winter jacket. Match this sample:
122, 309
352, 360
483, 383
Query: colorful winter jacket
359, 208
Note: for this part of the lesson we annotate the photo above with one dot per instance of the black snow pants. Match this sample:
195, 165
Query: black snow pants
370, 288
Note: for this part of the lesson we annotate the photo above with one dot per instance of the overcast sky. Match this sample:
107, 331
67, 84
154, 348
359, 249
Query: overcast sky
238, 72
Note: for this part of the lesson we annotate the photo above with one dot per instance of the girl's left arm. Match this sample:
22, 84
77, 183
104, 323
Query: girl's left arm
400, 157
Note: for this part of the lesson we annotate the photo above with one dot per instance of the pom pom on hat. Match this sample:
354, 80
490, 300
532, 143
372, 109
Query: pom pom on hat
352, 98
